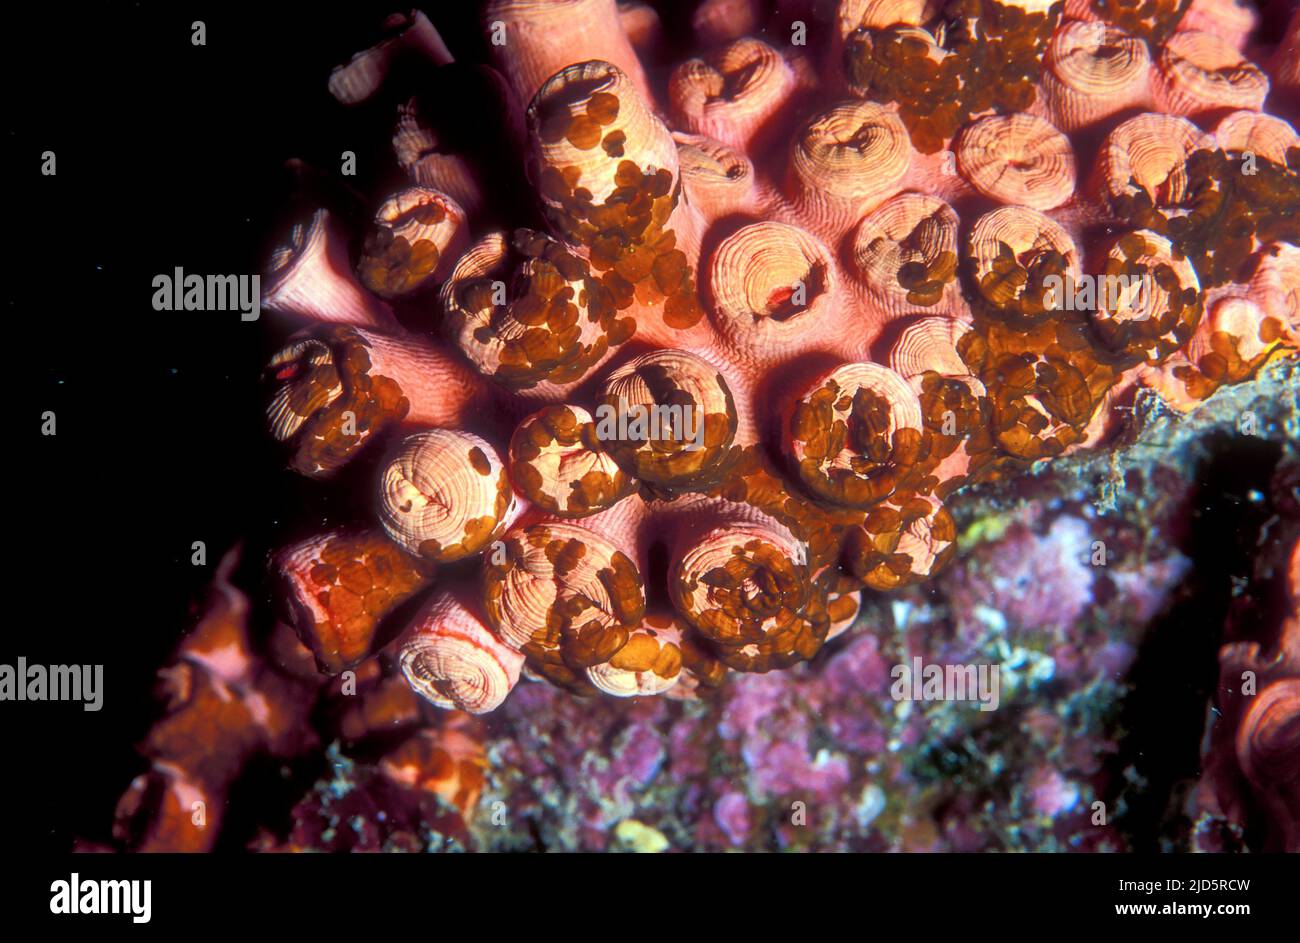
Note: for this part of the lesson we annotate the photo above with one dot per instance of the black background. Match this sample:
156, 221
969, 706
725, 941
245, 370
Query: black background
168, 155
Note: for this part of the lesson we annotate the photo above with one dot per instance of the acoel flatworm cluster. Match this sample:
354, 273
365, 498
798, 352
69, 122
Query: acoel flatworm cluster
836, 257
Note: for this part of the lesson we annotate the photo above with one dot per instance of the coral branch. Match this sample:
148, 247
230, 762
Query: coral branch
454, 661
338, 586
311, 279
335, 390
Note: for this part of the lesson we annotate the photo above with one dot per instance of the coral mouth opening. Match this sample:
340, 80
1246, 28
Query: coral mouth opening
789, 301
734, 84
555, 100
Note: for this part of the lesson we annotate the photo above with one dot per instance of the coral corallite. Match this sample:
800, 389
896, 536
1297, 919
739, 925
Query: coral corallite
772, 309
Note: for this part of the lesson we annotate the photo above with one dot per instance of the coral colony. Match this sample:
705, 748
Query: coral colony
668, 491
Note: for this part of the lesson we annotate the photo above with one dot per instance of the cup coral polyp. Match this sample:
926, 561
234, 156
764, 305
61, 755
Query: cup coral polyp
839, 333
